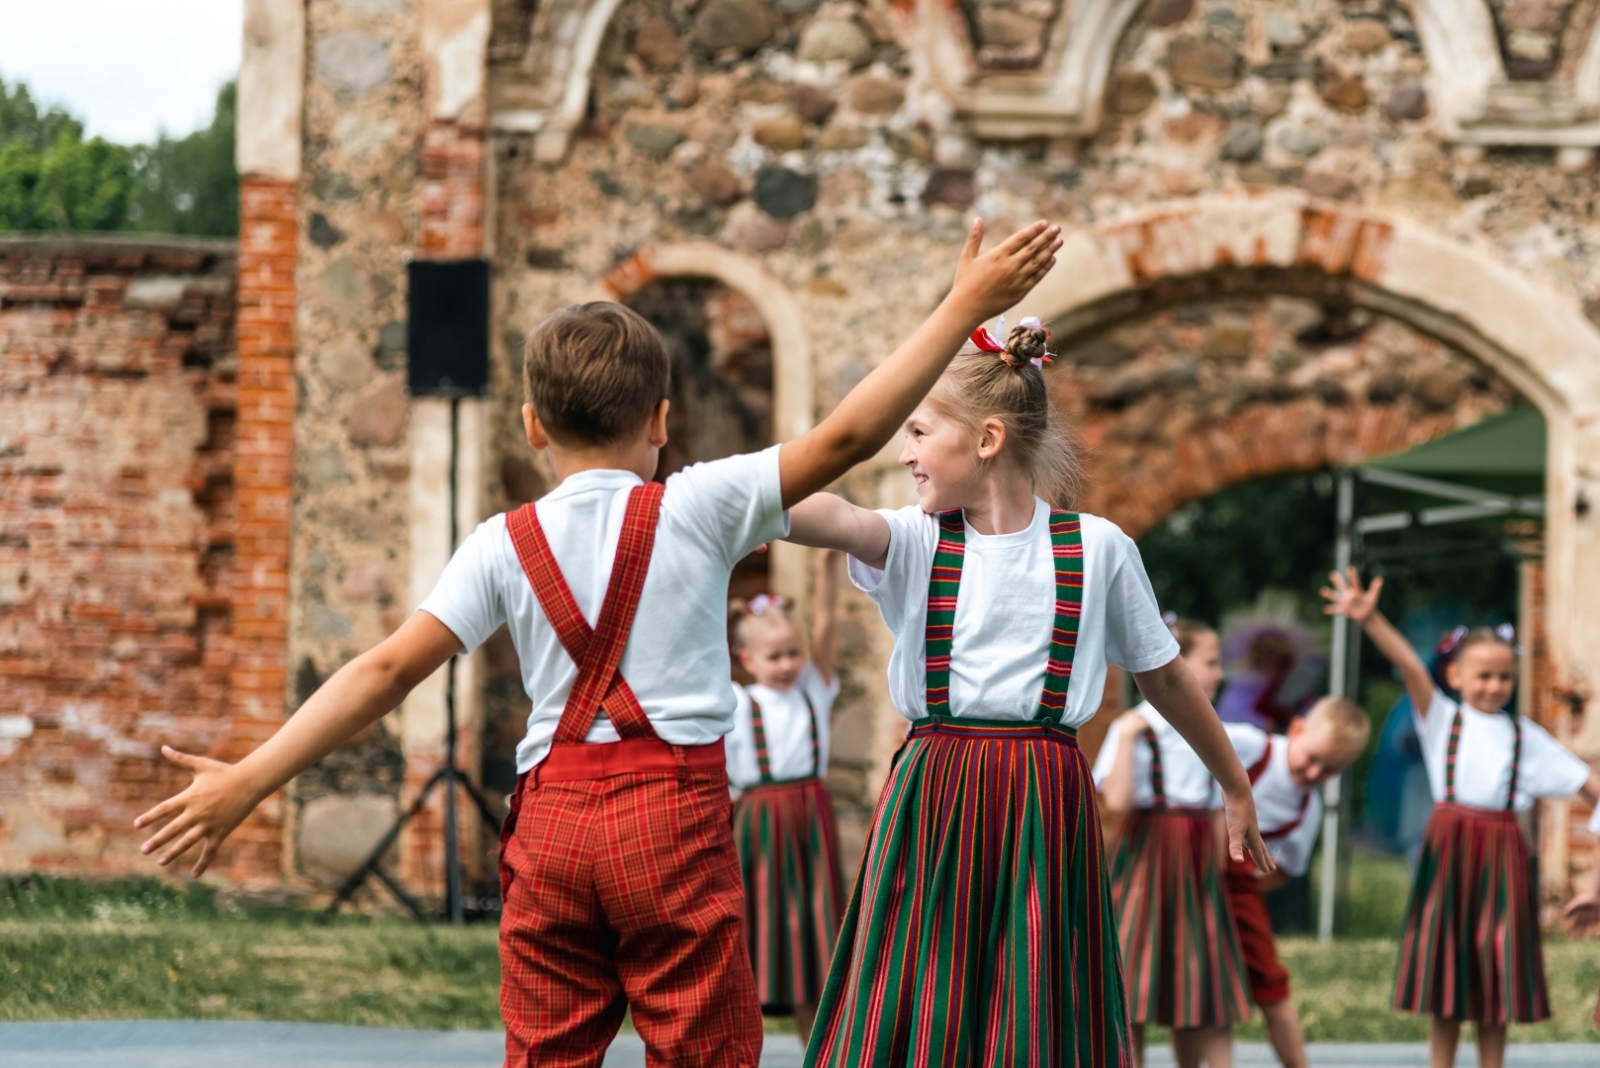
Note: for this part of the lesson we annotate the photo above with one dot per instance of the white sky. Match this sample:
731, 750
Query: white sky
128, 68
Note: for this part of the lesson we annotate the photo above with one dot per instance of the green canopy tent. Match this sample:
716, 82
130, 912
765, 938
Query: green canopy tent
1492, 470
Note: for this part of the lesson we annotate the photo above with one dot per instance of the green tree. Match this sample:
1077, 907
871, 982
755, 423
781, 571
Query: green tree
189, 185
53, 180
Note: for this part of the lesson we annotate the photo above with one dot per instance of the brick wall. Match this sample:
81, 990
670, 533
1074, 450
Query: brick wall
260, 595
117, 518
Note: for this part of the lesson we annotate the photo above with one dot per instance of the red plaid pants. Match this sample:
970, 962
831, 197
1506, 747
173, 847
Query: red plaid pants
621, 889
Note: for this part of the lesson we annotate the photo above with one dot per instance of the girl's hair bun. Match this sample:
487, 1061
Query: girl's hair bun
1024, 344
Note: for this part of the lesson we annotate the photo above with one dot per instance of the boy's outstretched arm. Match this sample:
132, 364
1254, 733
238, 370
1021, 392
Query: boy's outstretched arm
358, 695
824, 609
1347, 597
1177, 696
985, 285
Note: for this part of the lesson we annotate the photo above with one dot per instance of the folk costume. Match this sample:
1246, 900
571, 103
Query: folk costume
1289, 816
980, 929
617, 866
788, 837
1180, 952
1471, 948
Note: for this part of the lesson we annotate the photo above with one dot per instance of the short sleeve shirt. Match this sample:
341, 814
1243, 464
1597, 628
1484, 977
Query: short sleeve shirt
1187, 782
786, 723
1005, 611
1289, 815
1483, 758
676, 660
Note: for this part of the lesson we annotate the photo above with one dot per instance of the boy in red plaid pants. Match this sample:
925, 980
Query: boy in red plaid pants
620, 879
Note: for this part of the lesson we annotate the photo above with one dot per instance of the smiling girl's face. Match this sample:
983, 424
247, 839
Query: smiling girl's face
774, 655
1484, 673
944, 458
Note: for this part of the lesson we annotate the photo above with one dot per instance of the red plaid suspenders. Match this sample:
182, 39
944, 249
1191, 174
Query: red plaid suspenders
1254, 772
597, 650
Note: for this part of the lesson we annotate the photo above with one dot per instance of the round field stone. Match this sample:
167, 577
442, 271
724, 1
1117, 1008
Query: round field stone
783, 193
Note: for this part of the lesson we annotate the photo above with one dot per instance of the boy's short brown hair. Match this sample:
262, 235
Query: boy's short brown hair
1344, 721
594, 373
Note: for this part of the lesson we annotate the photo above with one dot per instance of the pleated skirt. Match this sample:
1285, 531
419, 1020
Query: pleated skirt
1175, 925
1471, 948
788, 841
980, 931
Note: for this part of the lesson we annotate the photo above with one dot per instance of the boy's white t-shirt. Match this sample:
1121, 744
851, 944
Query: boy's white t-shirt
1185, 780
1279, 802
1005, 611
676, 661
786, 722
1483, 758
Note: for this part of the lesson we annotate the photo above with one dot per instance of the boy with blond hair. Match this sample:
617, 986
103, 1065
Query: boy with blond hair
1286, 772
617, 863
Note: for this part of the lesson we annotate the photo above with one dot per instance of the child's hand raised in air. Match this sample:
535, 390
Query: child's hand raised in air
988, 283
1347, 598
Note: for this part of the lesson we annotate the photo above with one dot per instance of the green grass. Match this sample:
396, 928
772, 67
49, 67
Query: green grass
78, 950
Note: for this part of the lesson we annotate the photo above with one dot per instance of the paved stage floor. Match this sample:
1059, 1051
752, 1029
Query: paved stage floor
247, 1044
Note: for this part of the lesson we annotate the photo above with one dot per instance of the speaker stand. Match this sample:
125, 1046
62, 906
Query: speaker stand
451, 777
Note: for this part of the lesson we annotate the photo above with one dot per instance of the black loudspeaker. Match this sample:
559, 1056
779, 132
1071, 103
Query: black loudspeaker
447, 327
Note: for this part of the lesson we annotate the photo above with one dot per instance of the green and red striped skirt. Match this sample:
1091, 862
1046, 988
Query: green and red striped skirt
1180, 948
1471, 947
788, 841
980, 930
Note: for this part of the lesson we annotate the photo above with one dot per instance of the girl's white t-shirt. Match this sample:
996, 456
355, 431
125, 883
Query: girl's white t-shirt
1483, 758
786, 721
1279, 802
1184, 777
1005, 611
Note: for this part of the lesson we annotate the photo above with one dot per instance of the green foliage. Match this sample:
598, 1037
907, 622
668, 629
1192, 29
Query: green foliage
189, 185
53, 180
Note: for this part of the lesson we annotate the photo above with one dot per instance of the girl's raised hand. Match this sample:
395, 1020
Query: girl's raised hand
204, 814
990, 282
1346, 596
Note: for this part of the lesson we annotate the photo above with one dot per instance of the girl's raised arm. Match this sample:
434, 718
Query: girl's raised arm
1347, 597
985, 285
823, 609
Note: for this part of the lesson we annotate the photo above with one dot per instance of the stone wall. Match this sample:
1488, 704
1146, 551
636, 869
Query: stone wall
118, 520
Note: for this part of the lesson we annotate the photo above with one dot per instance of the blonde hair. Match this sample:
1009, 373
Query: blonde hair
1344, 721
768, 614
1008, 386
1189, 633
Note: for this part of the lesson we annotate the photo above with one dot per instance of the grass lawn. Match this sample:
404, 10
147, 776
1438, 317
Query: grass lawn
76, 950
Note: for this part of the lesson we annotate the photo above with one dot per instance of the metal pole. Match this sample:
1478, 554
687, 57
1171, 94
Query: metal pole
1338, 674
452, 845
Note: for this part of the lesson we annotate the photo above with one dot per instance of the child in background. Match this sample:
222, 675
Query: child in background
980, 931
1180, 955
1286, 771
1471, 948
783, 820
617, 864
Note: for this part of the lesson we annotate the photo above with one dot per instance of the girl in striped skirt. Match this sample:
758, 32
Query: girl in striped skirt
1180, 951
783, 820
1471, 948
980, 930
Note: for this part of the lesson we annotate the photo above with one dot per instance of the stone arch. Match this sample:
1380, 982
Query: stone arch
550, 90
793, 403
1538, 340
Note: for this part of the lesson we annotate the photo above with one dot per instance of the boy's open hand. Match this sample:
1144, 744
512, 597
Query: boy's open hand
989, 283
1244, 835
204, 814
1346, 597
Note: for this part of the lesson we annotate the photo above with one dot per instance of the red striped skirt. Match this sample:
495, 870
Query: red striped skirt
1180, 947
980, 930
1471, 948
788, 841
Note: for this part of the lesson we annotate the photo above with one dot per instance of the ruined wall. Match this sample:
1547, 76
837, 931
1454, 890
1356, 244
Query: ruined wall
842, 146
117, 524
